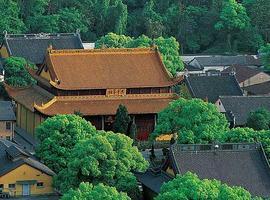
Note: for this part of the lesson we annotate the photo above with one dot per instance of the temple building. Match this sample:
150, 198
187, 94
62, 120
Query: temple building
95, 83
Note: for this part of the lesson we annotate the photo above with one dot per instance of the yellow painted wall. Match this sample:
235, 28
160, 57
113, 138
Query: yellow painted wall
26, 173
170, 171
45, 74
4, 132
27, 120
4, 52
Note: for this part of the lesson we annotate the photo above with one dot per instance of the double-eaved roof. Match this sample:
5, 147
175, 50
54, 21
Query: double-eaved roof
242, 165
13, 156
6, 111
33, 47
241, 106
76, 70
211, 86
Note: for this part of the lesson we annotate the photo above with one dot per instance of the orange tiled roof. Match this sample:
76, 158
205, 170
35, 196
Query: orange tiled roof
102, 105
107, 68
28, 96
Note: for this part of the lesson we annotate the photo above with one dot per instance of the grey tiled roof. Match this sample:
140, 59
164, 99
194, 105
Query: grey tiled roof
259, 89
241, 106
33, 47
212, 86
243, 72
244, 60
9, 151
6, 111
242, 166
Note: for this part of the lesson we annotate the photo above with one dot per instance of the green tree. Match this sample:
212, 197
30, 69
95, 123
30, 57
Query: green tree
259, 15
259, 119
10, 17
112, 40
16, 73
43, 23
71, 19
58, 135
265, 56
233, 18
107, 158
122, 120
189, 186
87, 191
195, 121
153, 22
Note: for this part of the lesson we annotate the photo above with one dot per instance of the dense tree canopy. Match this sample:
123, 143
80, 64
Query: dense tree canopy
259, 120
199, 26
88, 191
194, 120
16, 73
107, 158
189, 186
58, 135
168, 47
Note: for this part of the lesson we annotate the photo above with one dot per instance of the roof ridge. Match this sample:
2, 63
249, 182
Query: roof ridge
252, 96
39, 35
105, 50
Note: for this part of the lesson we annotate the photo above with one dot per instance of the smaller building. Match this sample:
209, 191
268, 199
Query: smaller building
236, 164
247, 76
202, 64
21, 174
7, 120
258, 89
209, 87
240, 107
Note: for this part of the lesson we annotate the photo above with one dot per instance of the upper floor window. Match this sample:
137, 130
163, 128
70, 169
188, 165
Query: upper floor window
40, 184
11, 186
8, 125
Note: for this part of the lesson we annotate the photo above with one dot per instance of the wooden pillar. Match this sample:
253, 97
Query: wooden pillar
102, 122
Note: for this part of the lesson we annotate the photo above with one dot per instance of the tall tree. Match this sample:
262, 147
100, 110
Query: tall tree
107, 158
58, 135
259, 15
233, 18
88, 191
195, 121
122, 120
